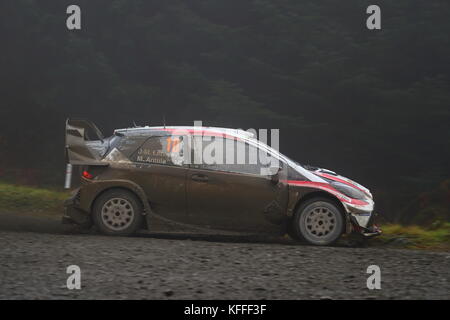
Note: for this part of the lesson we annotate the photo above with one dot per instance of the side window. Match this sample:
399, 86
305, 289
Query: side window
247, 159
166, 150
128, 145
294, 175
232, 156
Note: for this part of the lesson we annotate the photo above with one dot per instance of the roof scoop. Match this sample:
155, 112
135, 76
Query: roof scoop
328, 171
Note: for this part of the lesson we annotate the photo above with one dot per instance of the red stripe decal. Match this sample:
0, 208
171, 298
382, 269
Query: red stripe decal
202, 132
338, 180
326, 187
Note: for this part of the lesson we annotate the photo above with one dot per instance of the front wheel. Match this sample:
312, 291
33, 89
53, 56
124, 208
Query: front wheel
118, 212
318, 221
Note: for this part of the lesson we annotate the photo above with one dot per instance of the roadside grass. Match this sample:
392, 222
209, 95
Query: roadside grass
435, 237
31, 200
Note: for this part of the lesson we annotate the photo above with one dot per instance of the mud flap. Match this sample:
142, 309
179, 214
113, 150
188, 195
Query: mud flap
74, 215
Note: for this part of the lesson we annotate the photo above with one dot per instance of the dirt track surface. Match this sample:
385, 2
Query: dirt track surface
33, 266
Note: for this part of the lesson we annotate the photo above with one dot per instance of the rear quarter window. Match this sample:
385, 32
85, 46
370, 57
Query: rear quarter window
128, 145
162, 150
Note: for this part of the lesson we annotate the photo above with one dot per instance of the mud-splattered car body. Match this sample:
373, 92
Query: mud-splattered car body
135, 160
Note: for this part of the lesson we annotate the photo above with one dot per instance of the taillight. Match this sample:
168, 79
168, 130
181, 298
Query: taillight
87, 175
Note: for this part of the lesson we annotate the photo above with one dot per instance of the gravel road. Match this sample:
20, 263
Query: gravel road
33, 266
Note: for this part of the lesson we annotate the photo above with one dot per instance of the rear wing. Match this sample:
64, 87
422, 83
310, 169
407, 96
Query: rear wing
85, 145
84, 142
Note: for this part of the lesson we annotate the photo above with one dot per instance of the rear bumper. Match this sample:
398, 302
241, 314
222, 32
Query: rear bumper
73, 214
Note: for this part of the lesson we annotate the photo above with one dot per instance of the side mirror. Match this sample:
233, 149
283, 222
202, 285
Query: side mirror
274, 174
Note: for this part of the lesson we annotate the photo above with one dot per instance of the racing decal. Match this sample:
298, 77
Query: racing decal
202, 132
173, 144
342, 180
151, 156
160, 150
328, 188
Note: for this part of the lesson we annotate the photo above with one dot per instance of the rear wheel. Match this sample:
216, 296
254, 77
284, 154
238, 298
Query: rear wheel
318, 221
118, 212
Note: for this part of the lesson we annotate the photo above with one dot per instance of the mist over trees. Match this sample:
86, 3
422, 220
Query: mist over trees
372, 105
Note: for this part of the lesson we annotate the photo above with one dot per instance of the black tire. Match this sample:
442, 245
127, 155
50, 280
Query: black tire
118, 212
318, 221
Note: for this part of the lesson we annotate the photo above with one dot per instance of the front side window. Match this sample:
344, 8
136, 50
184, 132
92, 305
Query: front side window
231, 155
166, 150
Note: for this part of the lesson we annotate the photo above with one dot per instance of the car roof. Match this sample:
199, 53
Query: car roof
238, 133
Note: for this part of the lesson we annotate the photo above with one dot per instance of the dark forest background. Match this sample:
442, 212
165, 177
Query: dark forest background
371, 105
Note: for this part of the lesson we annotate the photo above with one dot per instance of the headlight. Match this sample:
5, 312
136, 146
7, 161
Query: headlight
348, 191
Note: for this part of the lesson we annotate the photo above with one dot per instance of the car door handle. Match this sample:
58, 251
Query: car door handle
200, 177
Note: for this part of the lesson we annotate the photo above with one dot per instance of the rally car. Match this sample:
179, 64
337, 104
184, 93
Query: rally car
144, 172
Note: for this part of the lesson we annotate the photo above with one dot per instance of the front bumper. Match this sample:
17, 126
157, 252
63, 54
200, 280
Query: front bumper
362, 218
363, 223
371, 232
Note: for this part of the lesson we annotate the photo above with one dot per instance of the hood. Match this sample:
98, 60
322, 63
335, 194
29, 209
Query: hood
331, 175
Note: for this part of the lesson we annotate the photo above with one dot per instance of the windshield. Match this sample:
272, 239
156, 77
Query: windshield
303, 170
273, 152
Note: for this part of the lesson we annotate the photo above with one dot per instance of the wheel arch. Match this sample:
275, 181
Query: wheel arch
91, 192
312, 194
323, 194
109, 189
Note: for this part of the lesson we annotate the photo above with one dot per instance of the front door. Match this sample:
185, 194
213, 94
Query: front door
233, 196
